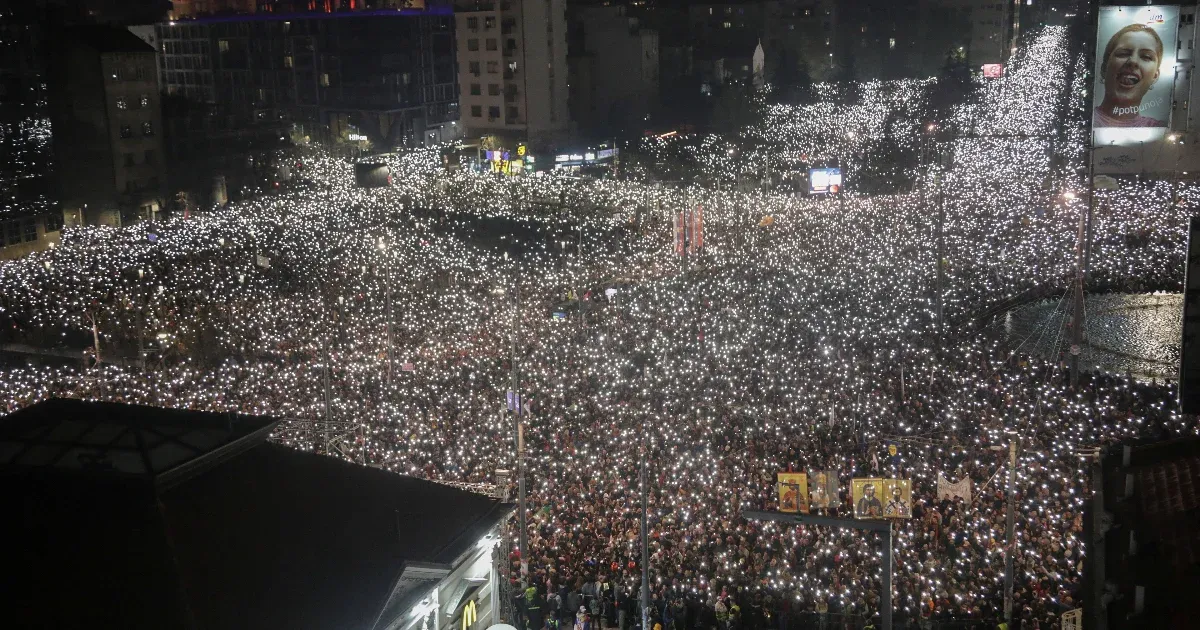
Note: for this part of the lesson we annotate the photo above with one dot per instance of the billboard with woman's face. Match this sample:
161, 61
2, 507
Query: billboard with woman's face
1135, 73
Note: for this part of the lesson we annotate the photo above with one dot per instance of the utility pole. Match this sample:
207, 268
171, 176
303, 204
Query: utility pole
328, 419
579, 260
519, 433
941, 255
389, 331
389, 280
1081, 263
645, 509
1010, 544
1085, 221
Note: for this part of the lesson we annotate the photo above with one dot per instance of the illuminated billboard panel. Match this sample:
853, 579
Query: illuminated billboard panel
1134, 74
824, 180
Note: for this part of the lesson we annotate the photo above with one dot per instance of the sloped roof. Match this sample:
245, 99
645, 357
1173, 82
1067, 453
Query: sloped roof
155, 445
263, 537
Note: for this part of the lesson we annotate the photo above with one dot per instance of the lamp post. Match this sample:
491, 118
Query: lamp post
642, 483
518, 432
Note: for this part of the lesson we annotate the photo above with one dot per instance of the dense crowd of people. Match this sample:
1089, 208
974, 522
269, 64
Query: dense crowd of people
807, 342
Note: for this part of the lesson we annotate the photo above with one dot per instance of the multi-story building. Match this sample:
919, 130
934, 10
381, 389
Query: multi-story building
725, 36
387, 76
800, 37
613, 64
107, 125
26, 161
333, 6
512, 69
185, 9
991, 30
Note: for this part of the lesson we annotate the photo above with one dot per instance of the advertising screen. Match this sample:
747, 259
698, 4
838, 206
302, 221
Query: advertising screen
824, 180
993, 70
1135, 74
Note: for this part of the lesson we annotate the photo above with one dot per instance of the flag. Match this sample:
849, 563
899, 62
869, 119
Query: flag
679, 233
689, 231
893, 453
948, 490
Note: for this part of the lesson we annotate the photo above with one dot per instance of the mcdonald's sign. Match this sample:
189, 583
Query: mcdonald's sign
469, 615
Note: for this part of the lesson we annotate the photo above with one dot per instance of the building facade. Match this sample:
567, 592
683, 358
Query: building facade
106, 117
384, 76
800, 38
614, 69
512, 69
29, 216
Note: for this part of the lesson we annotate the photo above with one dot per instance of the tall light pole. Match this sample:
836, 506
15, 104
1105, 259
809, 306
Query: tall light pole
1010, 544
518, 430
642, 483
1081, 263
388, 324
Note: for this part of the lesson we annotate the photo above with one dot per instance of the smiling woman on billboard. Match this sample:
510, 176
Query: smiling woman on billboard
1135, 73
1132, 64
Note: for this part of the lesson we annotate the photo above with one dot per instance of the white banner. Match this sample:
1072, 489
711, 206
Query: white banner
1135, 77
948, 490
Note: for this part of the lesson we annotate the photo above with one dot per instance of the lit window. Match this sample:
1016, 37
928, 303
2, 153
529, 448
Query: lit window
324, 79
144, 101
223, 45
122, 104
147, 129
891, 42
287, 61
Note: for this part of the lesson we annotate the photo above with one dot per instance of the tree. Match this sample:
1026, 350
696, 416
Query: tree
792, 81
846, 79
733, 108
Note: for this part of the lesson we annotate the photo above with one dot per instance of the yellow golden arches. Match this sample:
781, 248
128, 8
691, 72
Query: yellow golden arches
469, 615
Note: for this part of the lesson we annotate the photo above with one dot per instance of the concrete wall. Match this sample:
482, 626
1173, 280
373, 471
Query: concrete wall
45, 239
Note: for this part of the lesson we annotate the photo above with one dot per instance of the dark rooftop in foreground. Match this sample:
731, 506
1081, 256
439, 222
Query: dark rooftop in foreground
136, 517
109, 39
